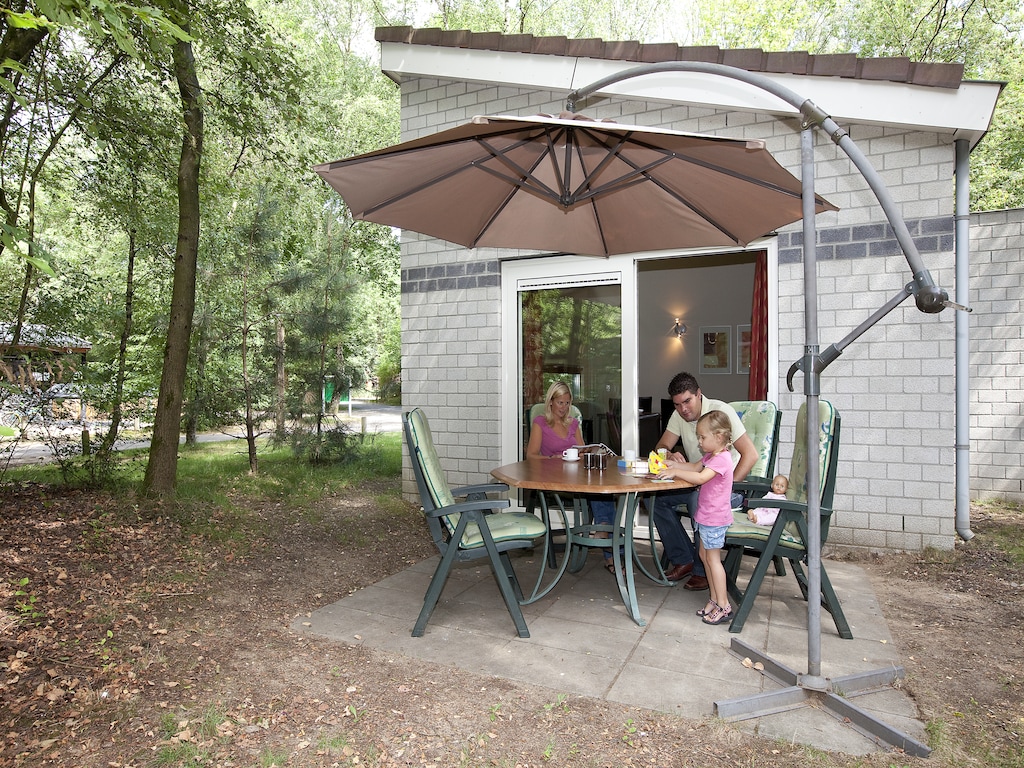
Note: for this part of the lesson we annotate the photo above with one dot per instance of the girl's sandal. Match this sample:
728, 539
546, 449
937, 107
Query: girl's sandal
720, 615
705, 611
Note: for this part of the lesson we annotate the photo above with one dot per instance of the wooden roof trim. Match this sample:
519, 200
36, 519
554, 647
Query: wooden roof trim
896, 69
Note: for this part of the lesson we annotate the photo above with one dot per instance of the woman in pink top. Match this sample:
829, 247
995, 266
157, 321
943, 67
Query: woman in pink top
713, 473
554, 430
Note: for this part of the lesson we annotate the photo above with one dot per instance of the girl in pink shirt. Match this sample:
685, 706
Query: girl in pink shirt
713, 473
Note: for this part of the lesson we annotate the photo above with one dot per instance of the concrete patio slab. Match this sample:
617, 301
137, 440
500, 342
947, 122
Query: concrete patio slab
582, 642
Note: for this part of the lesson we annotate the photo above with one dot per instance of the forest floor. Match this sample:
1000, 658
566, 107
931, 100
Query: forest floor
132, 637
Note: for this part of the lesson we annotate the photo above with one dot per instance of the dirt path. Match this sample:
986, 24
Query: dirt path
121, 644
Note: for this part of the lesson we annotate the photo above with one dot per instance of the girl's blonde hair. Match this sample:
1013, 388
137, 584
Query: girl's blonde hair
554, 391
719, 424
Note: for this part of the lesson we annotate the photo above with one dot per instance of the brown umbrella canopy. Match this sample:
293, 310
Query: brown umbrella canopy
572, 185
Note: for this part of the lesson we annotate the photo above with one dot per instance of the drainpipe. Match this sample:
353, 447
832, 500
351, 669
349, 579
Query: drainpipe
963, 352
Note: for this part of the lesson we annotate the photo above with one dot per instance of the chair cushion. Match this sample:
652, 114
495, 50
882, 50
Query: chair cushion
798, 465
758, 417
440, 492
503, 526
746, 530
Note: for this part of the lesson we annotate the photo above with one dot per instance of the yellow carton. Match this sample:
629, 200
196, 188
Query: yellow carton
656, 463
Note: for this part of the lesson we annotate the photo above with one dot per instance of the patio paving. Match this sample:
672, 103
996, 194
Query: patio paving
582, 642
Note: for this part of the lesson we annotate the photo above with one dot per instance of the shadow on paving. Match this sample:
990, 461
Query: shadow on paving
582, 642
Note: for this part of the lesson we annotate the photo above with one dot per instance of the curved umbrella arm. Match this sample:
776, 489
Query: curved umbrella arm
929, 297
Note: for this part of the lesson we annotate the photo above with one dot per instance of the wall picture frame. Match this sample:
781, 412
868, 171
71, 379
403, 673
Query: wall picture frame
716, 349
743, 339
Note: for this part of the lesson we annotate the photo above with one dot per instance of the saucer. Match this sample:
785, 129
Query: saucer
565, 459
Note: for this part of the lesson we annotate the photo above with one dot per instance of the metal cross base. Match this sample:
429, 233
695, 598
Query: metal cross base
833, 697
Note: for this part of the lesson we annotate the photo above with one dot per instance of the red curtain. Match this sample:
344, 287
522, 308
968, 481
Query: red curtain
757, 387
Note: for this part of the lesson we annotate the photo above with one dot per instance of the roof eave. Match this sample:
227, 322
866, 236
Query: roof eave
962, 112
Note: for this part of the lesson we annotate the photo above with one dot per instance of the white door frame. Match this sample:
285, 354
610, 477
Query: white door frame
529, 273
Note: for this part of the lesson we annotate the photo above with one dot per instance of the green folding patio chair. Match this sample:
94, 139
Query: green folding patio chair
467, 530
761, 419
787, 535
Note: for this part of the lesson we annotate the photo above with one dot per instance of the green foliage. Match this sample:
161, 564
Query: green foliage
320, 444
273, 758
26, 603
180, 753
1007, 535
609, 19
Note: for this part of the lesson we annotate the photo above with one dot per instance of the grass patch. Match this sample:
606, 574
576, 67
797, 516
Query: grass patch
216, 494
182, 753
1004, 527
270, 758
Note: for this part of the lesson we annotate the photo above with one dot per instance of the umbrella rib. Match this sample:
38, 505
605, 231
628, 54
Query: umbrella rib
413, 190
491, 152
670, 155
641, 173
517, 184
612, 150
524, 178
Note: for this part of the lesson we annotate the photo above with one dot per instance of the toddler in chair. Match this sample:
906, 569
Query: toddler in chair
764, 515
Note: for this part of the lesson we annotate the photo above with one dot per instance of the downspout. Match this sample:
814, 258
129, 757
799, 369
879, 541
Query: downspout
962, 334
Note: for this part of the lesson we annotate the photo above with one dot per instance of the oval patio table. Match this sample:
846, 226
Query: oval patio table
555, 476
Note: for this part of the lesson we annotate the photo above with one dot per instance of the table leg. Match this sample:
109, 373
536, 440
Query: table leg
658, 577
622, 539
540, 591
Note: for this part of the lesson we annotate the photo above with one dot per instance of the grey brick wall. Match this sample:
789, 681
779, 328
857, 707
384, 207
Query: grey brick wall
894, 387
997, 354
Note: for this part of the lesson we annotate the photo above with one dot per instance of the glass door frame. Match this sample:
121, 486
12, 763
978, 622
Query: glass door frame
527, 273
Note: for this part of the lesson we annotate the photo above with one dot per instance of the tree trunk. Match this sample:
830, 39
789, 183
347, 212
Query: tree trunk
198, 400
280, 380
161, 471
250, 416
122, 351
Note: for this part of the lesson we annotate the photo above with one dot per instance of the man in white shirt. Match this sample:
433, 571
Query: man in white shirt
690, 404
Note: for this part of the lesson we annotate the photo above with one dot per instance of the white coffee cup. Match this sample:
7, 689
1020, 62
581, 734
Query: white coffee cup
571, 454
629, 455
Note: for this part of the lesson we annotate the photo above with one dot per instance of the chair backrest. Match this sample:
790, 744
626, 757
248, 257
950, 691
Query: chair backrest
667, 409
435, 493
761, 419
828, 459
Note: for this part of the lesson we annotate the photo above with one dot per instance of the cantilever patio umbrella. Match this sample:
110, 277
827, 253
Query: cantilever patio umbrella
570, 184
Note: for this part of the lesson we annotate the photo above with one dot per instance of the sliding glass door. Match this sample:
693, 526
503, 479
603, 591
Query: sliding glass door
571, 320
573, 333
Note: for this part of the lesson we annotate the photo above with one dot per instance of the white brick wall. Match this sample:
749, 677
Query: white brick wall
894, 386
997, 354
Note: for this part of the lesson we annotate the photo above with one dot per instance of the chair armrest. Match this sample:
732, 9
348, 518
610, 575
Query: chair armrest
480, 490
788, 505
752, 485
479, 505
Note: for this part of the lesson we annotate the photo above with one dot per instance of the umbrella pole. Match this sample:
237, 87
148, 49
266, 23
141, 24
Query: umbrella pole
812, 391
812, 687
